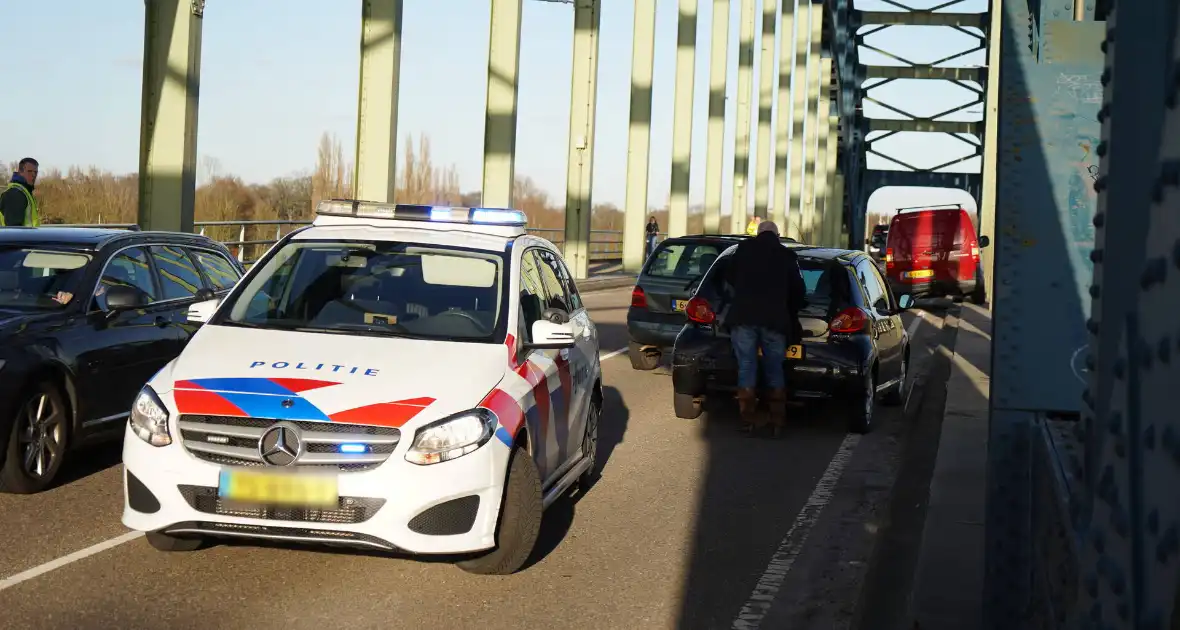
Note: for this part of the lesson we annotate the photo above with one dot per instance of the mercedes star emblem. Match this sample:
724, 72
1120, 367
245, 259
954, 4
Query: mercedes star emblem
280, 445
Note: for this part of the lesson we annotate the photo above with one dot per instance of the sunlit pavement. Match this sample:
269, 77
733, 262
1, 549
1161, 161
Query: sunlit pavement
692, 525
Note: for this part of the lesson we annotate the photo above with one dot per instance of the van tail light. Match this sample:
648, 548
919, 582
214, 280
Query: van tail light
850, 320
699, 311
888, 257
974, 252
638, 298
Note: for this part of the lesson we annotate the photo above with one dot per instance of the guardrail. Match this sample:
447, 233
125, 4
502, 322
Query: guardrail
250, 244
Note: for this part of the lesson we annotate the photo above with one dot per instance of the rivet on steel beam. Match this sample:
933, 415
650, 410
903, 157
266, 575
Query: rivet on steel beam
1096, 255
1092, 326
1099, 186
1103, 112
1105, 78
1099, 217
1101, 149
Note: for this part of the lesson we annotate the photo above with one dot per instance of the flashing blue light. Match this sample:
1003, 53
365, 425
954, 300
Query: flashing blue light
440, 214
354, 448
485, 215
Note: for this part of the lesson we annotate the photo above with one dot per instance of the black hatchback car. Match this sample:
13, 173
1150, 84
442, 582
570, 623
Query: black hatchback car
87, 316
854, 348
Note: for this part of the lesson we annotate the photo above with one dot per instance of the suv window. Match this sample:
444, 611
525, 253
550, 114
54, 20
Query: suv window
178, 275
220, 272
682, 260
374, 287
129, 268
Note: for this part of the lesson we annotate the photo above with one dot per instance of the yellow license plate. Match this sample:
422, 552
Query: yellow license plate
679, 305
795, 352
921, 273
278, 489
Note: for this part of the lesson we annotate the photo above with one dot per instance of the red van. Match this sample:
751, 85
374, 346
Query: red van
934, 252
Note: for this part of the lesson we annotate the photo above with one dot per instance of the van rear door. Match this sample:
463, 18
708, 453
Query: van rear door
920, 244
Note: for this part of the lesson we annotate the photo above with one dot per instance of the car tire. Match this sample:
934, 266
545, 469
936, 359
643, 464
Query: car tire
41, 415
861, 411
897, 394
641, 360
590, 447
166, 542
687, 406
979, 295
520, 520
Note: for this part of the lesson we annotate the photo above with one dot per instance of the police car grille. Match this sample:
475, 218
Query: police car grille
233, 441
349, 510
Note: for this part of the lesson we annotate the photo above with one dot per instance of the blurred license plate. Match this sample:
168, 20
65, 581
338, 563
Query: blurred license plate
795, 352
921, 273
679, 305
278, 489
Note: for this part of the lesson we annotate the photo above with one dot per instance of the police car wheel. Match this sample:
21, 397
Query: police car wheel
36, 442
590, 447
520, 520
164, 542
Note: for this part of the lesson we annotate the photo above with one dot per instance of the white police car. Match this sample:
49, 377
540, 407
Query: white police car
407, 378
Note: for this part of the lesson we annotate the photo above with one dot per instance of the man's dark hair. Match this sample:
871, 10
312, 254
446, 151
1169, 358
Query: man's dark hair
27, 161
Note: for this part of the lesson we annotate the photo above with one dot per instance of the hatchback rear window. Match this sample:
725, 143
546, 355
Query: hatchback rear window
682, 260
826, 281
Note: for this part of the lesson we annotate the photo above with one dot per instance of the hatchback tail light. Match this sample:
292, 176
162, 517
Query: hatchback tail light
888, 257
850, 320
638, 298
699, 311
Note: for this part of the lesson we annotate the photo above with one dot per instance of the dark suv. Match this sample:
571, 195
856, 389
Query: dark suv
854, 347
662, 290
87, 316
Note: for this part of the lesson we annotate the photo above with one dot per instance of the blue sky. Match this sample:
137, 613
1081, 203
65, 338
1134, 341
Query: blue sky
273, 80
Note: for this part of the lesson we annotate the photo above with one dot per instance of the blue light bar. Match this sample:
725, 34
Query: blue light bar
414, 212
353, 448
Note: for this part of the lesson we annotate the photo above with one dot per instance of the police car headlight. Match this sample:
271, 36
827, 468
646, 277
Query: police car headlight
451, 437
149, 419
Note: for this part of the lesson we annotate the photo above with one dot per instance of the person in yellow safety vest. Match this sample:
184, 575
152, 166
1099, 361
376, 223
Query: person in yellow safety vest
752, 226
18, 207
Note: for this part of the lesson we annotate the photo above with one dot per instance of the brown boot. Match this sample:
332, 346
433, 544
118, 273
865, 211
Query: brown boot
776, 400
747, 406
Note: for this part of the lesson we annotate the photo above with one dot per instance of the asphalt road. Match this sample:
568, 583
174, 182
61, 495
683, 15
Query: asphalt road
692, 525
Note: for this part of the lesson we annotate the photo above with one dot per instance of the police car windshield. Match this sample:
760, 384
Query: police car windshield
376, 288
39, 279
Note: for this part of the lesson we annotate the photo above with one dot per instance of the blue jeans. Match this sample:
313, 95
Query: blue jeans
746, 342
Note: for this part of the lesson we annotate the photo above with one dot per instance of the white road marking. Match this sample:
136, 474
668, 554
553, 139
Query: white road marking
42, 569
24, 576
913, 329
767, 589
612, 354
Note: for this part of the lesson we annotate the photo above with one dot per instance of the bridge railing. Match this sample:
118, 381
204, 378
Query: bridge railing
248, 240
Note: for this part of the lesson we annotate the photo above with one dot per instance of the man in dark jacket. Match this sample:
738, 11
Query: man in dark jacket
18, 207
764, 315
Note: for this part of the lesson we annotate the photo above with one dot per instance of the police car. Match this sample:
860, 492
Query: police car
405, 378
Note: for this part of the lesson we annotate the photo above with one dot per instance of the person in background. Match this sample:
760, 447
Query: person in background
18, 207
651, 232
752, 226
768, 292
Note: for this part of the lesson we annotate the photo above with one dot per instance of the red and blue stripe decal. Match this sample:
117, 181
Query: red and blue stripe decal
280, 399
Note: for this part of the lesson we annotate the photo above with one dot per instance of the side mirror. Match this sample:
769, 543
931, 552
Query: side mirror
119, 298
550, 336
905, 302
984, 241
202, 311
204, 294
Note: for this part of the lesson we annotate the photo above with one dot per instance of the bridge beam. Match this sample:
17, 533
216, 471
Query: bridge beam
811, 126
580, 156
499, 139
833, 202
686, 40
991, 136
794, 210
715, 149
766, 86
168, 118
741, 136
782, 121
639, 135
375, 168
824, 143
